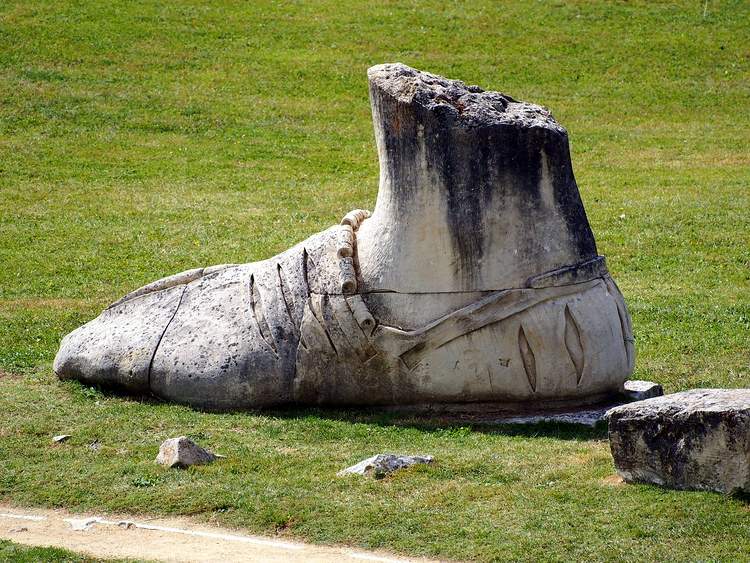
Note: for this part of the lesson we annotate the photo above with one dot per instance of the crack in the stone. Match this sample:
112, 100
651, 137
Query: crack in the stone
161, 337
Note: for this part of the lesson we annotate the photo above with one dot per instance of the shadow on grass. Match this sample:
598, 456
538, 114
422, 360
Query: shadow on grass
435, 423
426, 422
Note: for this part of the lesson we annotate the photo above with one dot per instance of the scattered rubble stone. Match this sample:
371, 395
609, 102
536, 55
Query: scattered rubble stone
61, 438
182, 452
380, 465
697, 439
82, 524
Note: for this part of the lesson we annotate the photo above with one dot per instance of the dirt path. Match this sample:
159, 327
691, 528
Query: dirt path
162, 539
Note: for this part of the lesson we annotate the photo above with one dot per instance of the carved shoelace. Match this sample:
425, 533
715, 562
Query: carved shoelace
345, 249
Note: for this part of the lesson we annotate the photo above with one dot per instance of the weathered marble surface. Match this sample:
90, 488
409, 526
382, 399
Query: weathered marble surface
475, 279
698, 439
476, 191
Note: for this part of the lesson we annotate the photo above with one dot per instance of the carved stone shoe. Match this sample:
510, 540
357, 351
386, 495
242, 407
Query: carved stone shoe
476, 279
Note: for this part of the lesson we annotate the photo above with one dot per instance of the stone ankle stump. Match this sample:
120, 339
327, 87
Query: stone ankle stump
698, 439
475, 279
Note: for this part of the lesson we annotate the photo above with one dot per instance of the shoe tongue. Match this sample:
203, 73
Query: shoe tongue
468, 106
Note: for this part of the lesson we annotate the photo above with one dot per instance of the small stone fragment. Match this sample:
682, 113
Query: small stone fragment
182, 452
380, 465
637, 390
82, 524
18, 530
697, 439
61, 438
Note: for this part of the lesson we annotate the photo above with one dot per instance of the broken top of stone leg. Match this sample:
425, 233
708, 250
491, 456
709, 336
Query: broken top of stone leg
469, 106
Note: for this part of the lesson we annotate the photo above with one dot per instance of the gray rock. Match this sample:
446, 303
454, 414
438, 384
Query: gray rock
637, 390
182, 452
61, 438
698, 439
378, 466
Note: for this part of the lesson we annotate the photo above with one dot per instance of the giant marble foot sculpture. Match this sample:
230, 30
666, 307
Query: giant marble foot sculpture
476, 279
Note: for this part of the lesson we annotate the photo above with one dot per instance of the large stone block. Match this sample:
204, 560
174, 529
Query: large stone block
697, 439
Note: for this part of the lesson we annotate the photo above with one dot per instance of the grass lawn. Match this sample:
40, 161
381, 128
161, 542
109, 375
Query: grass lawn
139, 139
25, 554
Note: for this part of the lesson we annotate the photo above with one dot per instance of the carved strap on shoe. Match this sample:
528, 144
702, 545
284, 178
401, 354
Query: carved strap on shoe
575, 273
413, 346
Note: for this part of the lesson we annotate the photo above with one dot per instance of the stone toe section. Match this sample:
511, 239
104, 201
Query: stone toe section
222, 350
698, 439
222, 337
117, 347
233, 341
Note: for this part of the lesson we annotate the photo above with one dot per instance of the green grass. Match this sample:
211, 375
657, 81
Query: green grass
138, 139
26, 554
